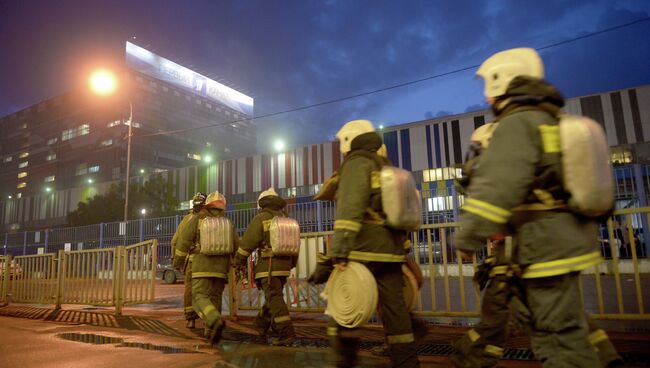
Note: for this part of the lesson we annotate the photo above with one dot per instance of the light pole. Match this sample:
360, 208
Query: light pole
104, 83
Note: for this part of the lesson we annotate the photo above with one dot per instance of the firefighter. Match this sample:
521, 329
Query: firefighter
361, 235
483, 344
209, 269
519, 174
190, 315
271, 272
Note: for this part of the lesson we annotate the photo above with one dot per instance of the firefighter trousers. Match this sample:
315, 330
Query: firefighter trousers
398, 328
190, 314
207, 298
274, 314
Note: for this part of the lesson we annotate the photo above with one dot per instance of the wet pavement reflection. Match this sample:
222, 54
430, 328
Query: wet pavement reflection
247, 355
102, 340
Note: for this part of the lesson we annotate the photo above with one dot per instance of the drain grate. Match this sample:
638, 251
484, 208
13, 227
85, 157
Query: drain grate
435, 349
518, 354
636, 358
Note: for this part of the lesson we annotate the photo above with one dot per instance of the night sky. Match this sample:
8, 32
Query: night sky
289, 54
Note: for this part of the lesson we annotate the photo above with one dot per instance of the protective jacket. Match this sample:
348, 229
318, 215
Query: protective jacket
517, 178
189, 242
257, 239
174, 241
360, 232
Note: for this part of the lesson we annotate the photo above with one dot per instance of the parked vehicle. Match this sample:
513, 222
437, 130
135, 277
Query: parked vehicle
168, 274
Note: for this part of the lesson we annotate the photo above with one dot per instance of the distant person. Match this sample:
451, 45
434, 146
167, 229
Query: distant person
271, 270
190, 315
215, 240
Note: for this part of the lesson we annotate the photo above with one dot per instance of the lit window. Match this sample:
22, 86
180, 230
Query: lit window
114, 123
22, 174
135, 124
49, 179
23, 164
7, 159
82, 169
19, 195
50, 157
51, 141
82, 129
194, 156
21, 185
107, 142
93, 169
24, 154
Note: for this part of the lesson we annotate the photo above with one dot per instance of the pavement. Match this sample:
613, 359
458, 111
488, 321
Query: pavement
155, 335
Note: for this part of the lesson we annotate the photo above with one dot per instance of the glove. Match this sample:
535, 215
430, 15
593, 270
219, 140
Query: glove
321, 274
468, 242
179, 262
241, 273
482, 274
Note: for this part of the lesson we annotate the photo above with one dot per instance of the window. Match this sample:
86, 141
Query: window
114, 123
23, 155
135, 124
82, 129
445, 173
116, 173
21, 185
82, 169
194, 156
23, 164
50, 157
93, 169
19, 195
208, 105
51, 141
7, 159
49, 179
22, 174
23, 126
107, 142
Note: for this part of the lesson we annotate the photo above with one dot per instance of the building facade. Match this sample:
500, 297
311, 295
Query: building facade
431, 149
68, 148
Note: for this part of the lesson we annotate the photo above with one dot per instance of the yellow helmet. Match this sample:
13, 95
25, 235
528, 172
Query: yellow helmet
266, 193
351, 130
501, 68
215, 200
483, 134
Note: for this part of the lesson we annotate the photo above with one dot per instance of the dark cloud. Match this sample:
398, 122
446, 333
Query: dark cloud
297, 53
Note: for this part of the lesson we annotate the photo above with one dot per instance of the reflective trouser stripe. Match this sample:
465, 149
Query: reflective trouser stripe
180, 253
562, 266
196, 275
597, 337
332, 331
400, 339
189, 309
498, 270
473, 335
494, 350
260, 275
376, 257
282, 319
243, 252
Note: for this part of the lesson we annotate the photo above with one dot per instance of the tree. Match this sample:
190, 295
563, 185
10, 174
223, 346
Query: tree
156, 196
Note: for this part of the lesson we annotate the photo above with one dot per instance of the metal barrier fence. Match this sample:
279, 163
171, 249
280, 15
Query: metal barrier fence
449, 290
113, 276
5, 273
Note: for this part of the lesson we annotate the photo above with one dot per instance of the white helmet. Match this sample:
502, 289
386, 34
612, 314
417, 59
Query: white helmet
483, 134
352, 130
501, 68
266, 193
215, 200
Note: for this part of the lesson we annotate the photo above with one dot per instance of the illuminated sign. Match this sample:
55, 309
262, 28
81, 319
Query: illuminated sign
158, 67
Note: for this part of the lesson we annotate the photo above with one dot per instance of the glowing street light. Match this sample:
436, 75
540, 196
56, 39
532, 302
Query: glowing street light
143, 211
207, 159
48, 189
90, 181
103, 82
381, 126
141, 171
9, 197
278, 145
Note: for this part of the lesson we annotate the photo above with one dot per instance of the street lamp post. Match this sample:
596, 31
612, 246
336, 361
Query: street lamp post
128, 172
103, 82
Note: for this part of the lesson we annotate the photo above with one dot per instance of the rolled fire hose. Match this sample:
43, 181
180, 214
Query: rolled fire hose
411, 287
351, 295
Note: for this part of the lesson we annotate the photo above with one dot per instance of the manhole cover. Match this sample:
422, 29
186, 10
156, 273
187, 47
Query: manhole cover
102, 340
